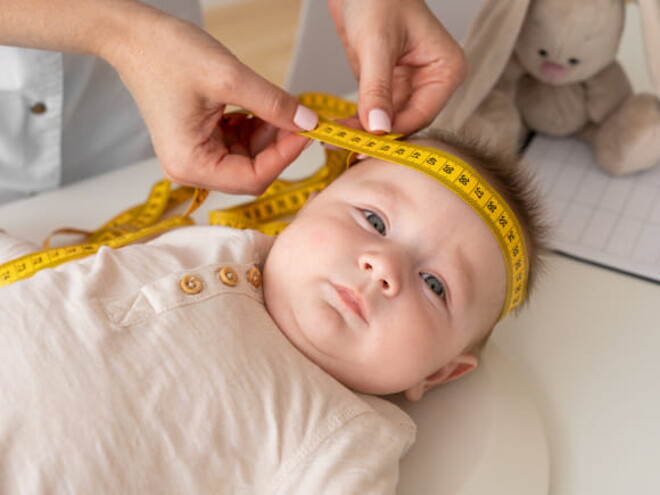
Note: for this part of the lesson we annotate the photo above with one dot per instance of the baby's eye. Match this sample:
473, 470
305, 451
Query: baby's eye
375, 221
434, 284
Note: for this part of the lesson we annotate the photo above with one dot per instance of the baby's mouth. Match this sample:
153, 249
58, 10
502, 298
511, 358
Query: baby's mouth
352, 301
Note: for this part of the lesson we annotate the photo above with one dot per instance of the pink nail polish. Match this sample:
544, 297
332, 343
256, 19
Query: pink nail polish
379, 120
305, 118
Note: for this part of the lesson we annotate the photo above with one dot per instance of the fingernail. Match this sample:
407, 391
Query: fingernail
305, 118
379, 120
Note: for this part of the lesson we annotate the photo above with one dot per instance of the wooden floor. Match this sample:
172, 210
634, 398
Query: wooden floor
261, 33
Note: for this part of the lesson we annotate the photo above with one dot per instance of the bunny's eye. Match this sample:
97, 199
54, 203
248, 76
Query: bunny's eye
573, 61
543, 53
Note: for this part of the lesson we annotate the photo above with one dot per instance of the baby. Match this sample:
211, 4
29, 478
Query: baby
172, 367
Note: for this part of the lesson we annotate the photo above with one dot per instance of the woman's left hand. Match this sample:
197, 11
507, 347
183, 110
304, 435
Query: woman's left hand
406, 63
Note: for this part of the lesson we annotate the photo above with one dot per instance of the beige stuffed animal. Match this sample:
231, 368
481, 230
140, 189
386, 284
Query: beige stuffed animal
560, 77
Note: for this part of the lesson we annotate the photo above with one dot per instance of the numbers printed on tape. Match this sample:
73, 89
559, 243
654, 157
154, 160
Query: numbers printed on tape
129, 226
283, 199
452, 172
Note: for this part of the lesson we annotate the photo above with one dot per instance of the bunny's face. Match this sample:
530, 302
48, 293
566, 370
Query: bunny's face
568, 41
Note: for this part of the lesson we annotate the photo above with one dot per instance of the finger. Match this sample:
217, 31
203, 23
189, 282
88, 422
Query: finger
263, 136
271, 103
353, 122
266, 166
419, 111
250, 136
375, 89
233, 129
246, 134
426, 99
243, 174
427, 83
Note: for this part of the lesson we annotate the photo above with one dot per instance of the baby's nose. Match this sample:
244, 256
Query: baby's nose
383, 271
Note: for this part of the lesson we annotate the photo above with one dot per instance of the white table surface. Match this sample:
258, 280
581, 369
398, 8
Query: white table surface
588, 343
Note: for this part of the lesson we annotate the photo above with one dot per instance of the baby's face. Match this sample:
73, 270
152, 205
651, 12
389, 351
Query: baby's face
384, 279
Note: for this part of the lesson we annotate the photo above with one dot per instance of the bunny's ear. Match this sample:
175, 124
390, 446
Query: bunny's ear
650, 19
488, 47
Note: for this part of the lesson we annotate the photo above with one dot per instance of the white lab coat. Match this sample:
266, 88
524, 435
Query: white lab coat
64, 117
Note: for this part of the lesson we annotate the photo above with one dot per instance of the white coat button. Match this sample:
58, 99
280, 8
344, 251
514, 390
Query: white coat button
38, 108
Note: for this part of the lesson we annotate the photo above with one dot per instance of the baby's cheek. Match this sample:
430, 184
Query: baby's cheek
317, 237
319, 240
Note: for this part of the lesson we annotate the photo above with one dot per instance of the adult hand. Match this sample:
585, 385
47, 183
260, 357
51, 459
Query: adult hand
182, 80
406, 63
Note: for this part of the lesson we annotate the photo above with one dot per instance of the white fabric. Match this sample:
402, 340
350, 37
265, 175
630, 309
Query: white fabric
90, 125
488, 47
114, 380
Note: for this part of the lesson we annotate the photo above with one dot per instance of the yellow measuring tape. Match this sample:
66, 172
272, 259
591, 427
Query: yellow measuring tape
281, 200
284, 198
129, 226
459, 177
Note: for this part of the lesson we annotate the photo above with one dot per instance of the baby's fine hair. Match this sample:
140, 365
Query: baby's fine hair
514, 181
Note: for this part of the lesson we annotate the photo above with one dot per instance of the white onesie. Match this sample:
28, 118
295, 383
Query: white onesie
156, 368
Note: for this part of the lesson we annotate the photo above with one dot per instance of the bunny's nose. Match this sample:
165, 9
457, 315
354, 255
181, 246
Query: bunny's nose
554, 72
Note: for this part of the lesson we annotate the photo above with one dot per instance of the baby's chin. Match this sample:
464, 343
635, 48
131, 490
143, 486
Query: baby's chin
358, 380
365, 382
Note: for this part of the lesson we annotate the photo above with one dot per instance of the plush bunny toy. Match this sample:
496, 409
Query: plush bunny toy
550, 66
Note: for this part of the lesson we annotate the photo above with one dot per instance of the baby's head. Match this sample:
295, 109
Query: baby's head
388, 280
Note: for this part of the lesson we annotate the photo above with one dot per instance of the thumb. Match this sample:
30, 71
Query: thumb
272, 104
375, 91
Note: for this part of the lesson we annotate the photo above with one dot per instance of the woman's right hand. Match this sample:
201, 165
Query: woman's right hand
182, 80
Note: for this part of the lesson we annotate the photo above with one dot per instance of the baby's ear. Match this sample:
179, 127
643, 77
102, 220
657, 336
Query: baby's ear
459, 367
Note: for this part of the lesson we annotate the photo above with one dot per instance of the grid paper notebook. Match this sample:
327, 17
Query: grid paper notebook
610, 221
